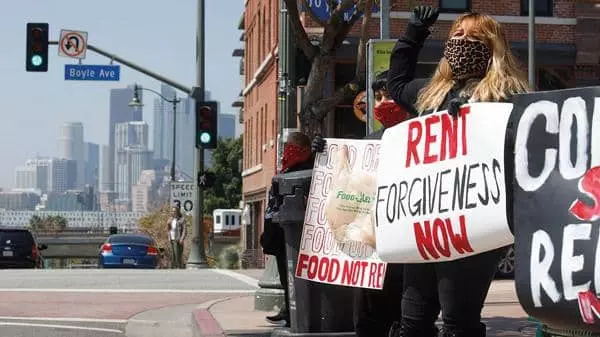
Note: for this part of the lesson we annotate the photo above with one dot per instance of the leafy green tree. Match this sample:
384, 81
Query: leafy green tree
48, 224
227, 189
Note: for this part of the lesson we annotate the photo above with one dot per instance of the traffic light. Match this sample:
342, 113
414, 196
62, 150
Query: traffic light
206, 124
37, 47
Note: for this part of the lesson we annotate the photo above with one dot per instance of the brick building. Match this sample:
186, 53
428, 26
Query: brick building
567, 55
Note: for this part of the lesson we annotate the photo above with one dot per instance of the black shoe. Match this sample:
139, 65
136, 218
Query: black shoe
279, 319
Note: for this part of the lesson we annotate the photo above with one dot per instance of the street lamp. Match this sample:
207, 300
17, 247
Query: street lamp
135, 102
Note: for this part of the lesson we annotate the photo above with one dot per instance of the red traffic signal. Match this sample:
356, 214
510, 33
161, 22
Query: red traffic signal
207, 117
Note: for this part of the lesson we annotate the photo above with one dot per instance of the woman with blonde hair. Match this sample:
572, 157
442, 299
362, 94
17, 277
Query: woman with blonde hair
477, 66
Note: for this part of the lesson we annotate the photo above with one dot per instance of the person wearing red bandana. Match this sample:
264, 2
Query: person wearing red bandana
297, 156
375, 311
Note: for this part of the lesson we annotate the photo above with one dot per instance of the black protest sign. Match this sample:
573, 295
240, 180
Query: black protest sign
556, 190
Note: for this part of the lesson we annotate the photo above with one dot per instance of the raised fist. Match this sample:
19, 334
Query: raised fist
318, 144
425, 15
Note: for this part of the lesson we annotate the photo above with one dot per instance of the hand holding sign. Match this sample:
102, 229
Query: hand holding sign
349, 205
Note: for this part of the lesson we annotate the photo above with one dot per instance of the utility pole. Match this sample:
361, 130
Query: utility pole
384, 19
197, 258
531, 58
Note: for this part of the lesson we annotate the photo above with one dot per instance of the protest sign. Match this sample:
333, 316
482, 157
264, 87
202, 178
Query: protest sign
556, 192
441, 191
337, 245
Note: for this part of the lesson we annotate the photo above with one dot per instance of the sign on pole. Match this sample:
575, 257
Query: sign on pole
88, 72
72, 44
183, 194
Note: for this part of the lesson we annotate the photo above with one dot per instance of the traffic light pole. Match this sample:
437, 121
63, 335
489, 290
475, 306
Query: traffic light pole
197, 258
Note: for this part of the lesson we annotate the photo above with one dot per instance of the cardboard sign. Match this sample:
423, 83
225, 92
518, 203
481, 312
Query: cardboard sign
557, 206
441, 186
337, 245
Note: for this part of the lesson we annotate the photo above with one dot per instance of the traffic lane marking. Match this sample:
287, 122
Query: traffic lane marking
60, 326
92, 305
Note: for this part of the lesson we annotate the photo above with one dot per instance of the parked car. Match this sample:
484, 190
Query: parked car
19, 248
506, 267
129, 251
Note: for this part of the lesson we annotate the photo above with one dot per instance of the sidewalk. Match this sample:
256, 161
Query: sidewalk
236, 316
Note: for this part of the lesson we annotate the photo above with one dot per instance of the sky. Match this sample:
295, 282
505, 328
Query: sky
156, 34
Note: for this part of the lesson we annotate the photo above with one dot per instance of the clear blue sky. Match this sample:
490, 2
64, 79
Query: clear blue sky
157, 34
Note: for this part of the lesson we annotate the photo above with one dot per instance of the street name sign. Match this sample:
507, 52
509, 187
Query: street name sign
183, 194
73, 43
88, 72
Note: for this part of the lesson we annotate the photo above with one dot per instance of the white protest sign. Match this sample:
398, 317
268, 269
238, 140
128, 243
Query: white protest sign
441, 191
183, 194
337, 245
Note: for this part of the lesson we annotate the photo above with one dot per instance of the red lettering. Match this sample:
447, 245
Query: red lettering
302, 264
430, 139
323, 268
380, 273
372, 275
449, 137
412, 142
589, 306
435, 241
425, 240
334, 270
313, 265
363, 268
459, 241
347, 272
589, 184
463, 115
440, 237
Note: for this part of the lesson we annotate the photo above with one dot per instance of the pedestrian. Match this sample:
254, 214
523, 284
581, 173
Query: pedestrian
297, 156
376, 310
177, 232
477, 66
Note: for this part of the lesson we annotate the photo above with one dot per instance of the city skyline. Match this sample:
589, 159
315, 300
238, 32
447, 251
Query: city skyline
40, 102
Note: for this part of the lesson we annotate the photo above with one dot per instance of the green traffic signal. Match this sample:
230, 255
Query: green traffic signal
36, 60
205, 137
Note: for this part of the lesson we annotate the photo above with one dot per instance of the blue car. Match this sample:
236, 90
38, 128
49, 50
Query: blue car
129, 251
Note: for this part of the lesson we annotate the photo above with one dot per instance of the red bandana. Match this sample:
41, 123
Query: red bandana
292, 155
388, 113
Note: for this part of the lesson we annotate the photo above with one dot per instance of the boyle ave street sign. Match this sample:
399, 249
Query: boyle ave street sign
88, 72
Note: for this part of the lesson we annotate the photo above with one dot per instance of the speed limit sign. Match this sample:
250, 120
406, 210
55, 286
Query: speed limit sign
183, 194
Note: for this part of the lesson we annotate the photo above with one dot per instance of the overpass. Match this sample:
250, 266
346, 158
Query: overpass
73, 242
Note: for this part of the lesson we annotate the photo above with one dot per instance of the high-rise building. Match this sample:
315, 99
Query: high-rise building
120, 112
227, 125
91, 158
104, 168
71, 146
62, 175
132, 155
25, 177
42, 169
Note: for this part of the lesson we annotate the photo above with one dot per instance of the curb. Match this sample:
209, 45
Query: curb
204, 324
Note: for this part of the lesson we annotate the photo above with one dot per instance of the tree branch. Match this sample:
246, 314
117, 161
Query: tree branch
335, 24
360, 73
302, 39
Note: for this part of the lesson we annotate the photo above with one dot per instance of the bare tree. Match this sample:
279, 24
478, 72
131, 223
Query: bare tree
315, 105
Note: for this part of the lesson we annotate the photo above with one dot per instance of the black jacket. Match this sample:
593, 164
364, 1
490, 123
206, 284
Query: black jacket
273, 239
404, 89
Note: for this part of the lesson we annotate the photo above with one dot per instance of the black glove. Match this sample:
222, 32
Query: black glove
425, 15
455, 104
318, 144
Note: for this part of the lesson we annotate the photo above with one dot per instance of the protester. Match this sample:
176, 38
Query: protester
376, 310
177, 231
477, 66
297, 156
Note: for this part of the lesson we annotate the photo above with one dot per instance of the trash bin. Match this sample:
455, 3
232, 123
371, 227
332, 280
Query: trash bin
316, 309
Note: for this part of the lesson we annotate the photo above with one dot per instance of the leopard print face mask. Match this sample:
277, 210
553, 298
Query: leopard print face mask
467, 58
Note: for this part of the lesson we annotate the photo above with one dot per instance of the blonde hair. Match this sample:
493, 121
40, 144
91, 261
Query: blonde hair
504, 76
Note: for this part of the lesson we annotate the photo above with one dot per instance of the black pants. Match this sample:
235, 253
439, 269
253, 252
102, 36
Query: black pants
282, 269
376, 310
461, 287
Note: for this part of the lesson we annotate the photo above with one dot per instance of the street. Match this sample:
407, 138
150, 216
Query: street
110, 302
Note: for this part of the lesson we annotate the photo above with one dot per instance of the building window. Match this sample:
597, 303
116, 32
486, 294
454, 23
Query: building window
542, 7
455, 6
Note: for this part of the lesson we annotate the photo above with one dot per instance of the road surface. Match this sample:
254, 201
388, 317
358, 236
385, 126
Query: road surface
111, 303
